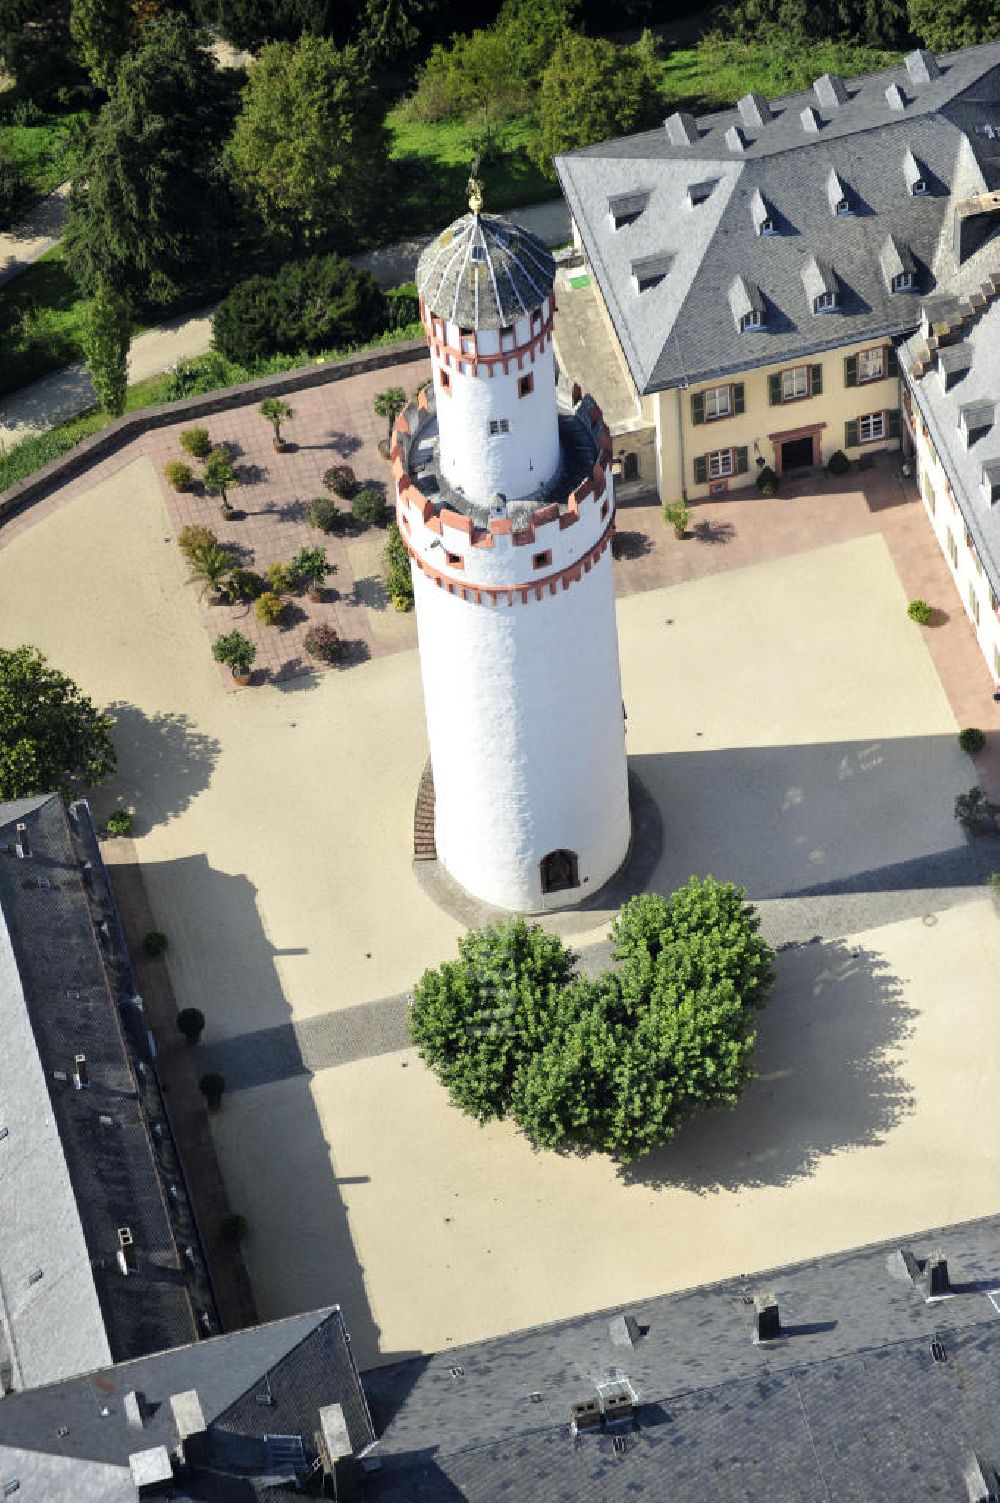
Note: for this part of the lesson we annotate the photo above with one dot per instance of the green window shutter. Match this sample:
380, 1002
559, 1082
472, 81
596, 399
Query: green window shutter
891, 360
851, 434
815, 380
850, 370
739, 398
741, 461
894, 423
697, 407
700, 470
774, 390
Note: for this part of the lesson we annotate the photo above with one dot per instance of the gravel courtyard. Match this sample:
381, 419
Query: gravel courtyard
790, 724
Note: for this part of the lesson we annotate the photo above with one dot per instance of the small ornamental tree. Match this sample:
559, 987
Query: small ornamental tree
191, 1023
616, 1063
389, 403
210, 568
396, 563
322, 642
368, 507
236, 651
310, 569
196, 442
277, 412
51, 735
178, 474
220, 474
341, 480
324, 513
195, 540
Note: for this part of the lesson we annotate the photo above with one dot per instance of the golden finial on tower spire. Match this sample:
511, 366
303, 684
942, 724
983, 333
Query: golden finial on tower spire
475, 188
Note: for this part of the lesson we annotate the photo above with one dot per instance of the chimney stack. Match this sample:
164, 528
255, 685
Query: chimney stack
585, 1416
22, 844
767, 1322
128, 1260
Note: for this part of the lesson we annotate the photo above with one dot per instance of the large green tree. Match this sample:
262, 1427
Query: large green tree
592, 91
311, 305
51, 736
146, 207
107, 332
101, 30
615, 1063
308, 151
944, 25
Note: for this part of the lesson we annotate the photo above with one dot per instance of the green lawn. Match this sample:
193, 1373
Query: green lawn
38, 150
41, 317
719, 71
432, 166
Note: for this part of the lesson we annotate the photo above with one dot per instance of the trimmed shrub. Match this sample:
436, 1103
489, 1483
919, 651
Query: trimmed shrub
191, 1023
919, 611
236, 651
341, 480
310, 569
972, 740
368, 506
839, 463
212, 1087
767, 481
269, 608
974, 811
196, 540
120, 822
308, 305
178, 474
244, 584
402, 305
196, 442
322, 642
398, 576
281, 578
324, 513
155, 943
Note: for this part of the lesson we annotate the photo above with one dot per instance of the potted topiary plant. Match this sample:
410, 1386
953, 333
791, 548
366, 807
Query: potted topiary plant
243, 585
269, 608
120, 822
212, 1087
341, 480
767, 480
191, 1023
838, 463
308, 570
194, 539
178, 474
219, 476
210, 568
322, 642
233, 1228
324, 513
280, 576
196, 442
676, 515
972, 740
237, 652
277, 412
920, 611
155, 943
368, 507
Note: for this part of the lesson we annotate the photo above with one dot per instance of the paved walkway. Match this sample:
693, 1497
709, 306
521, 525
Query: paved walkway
39, 231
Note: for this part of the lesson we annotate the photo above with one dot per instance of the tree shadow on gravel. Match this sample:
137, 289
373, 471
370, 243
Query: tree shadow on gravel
164, 763
627, 545
713, 532
827, 1079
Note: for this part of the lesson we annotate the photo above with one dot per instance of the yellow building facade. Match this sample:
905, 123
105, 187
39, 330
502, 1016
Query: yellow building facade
716, 437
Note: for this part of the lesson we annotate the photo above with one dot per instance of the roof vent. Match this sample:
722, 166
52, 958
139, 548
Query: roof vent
735, 139
975, 419
810, 120
747, 305
625, 208
334, 1434
132, 1404
982, 1484
915, 175
921, 66
767, 1322
681, 128
586, 1415
128, 1260
760, 212
953, 363
22, 845
831, 91
649, 271
754, 110
624, 1330
895, 98
836, 192
938, 1282
991, 481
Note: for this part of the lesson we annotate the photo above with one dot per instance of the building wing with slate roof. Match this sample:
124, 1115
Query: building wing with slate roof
871, 1391
99, 1255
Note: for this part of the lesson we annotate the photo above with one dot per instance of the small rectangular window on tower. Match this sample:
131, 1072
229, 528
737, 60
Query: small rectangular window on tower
525, 385
499, 425
542, 560
445, 380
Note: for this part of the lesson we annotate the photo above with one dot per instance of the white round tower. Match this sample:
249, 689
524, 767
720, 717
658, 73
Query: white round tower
506, 505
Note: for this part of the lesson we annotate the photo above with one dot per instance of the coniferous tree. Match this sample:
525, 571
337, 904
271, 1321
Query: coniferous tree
107, 331
101, 30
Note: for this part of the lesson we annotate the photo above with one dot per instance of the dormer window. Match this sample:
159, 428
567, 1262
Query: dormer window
760, 211
650, 271
842, 206
751, 321
767, 227
747, 305
820, 282
625, 208
699, 192
919, 187
838, 195
825, 303
903, 282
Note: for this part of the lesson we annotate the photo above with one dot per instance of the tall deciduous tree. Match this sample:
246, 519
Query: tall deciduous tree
308, 151
615, 1063
945, 24
51, 736
592, 90
107, 330
145, 204
101, 30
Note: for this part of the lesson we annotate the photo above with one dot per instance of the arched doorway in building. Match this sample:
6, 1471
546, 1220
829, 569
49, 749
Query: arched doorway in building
560, 870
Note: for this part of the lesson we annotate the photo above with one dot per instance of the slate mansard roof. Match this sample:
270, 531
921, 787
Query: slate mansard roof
858, 176
485, 272
873, 1392
85, 1148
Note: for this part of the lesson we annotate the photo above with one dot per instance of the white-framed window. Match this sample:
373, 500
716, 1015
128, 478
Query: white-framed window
718, 402
825, 303
871, 427
871, 365
902, 282
720, 464
795, 383
499, 425
952, 548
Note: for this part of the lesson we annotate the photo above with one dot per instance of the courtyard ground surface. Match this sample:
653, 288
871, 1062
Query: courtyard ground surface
796, 730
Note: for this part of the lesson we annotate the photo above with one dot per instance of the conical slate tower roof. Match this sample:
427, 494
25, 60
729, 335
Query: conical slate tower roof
484, 272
